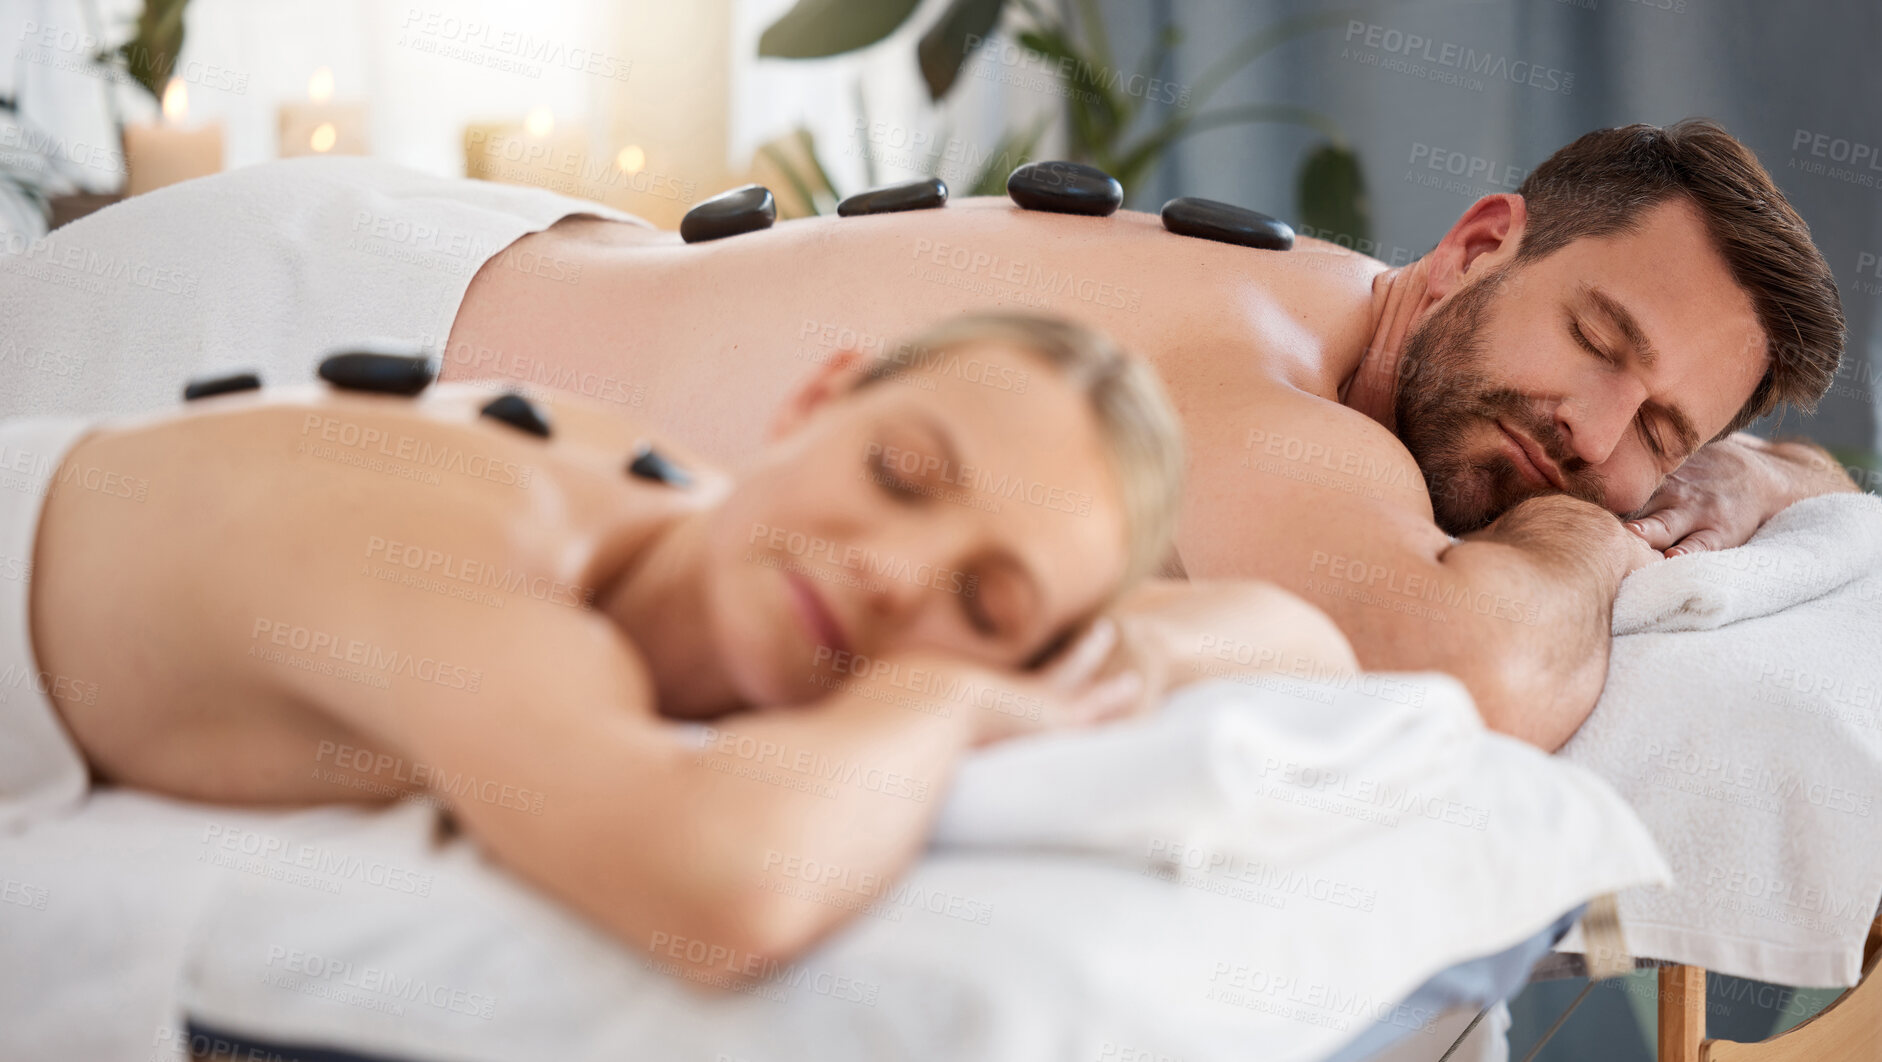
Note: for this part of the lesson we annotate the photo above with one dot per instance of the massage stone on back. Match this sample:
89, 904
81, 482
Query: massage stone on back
649, 463
226, 384
518, 412
744, 209
924, 194
381, 367
1065, 188
1226, 223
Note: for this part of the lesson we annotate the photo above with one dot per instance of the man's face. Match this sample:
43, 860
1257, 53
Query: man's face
1595, 371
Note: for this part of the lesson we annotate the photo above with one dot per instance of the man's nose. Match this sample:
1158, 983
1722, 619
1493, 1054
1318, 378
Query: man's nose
1595, 419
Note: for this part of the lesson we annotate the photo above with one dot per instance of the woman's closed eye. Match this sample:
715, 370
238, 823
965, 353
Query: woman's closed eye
892, 481
997, 599
978, 616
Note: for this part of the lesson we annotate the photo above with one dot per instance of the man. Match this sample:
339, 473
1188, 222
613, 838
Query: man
1556, 359
1559, 355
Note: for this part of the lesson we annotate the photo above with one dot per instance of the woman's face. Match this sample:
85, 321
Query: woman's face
969, 507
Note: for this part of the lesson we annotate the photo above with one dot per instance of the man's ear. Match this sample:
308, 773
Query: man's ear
1484, 239
837, 375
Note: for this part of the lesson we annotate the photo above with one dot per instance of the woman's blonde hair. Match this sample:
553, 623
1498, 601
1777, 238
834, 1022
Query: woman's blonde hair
1135, 419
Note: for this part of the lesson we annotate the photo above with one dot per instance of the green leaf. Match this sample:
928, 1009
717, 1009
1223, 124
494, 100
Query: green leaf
815, 29
810, 182
1260, 42
1014, 150
151, 54
1333, 192
945, 48
1090, 110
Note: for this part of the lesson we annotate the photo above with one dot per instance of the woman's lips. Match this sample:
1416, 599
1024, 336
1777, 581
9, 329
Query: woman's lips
1533, 464
819, 622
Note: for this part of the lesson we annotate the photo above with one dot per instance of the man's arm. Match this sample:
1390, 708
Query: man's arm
1323, 501
1724, 493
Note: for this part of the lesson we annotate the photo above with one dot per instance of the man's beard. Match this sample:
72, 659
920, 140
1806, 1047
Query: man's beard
1444, 392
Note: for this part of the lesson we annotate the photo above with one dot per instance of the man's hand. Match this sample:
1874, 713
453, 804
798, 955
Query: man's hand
1722, 494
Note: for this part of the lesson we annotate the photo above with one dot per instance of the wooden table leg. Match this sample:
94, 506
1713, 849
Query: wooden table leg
1682, 1012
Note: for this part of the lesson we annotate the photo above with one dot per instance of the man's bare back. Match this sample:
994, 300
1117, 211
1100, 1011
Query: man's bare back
767, 306
1285, 483
1341, 417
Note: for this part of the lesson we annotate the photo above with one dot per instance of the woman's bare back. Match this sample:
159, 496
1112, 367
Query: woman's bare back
254, 582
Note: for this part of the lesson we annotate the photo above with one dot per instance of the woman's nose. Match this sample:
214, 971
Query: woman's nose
911, 566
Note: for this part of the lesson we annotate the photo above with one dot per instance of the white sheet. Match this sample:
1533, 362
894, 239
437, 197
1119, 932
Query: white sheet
267, 267
315, 928
1743, 719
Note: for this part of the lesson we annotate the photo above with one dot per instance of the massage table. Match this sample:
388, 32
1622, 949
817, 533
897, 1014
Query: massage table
1849, 1028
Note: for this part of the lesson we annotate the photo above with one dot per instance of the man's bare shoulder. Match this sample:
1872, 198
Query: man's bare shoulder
1276, 472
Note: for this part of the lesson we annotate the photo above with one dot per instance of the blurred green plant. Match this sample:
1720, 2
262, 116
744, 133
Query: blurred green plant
150, 55
1863, 466
1106, 124
147, 58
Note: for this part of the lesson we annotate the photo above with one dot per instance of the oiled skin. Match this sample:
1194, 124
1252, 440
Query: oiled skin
257, 516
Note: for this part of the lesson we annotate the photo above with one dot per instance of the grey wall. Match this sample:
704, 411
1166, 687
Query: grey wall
1773, 73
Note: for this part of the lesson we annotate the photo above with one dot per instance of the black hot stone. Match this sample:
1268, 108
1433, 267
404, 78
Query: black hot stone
388, 369
1226, 223
649, 463
519, 413
1065, 188
740, 210
211, 386
925, 194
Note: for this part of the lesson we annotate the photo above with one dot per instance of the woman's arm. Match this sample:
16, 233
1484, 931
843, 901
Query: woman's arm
1188, 631
728, 857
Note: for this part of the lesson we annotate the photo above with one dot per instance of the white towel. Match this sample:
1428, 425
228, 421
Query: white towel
42, 771
1272, 771
1742, 718
267, 267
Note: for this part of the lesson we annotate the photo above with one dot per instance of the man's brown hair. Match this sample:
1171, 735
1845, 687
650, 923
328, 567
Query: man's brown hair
1601, 184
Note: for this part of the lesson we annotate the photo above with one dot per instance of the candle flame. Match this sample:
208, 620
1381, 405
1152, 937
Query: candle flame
325, 135
320, 86
176, 101
540, 122
631, 159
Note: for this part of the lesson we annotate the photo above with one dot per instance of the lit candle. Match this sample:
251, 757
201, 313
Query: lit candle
539, 152
169, 151
321, 126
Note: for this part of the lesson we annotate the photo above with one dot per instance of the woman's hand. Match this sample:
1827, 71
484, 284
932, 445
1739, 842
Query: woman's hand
1086, 682
1182, 632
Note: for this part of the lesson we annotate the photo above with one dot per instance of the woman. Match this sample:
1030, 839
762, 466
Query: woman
531, 594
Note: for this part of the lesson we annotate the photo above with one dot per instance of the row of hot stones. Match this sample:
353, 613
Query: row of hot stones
1055, 187
388, 368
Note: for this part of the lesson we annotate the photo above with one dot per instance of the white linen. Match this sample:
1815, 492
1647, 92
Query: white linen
267, 267
315, 928
1742, 718
41, 771
1313, 765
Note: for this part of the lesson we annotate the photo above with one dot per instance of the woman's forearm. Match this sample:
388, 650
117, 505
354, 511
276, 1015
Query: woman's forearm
803, 817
